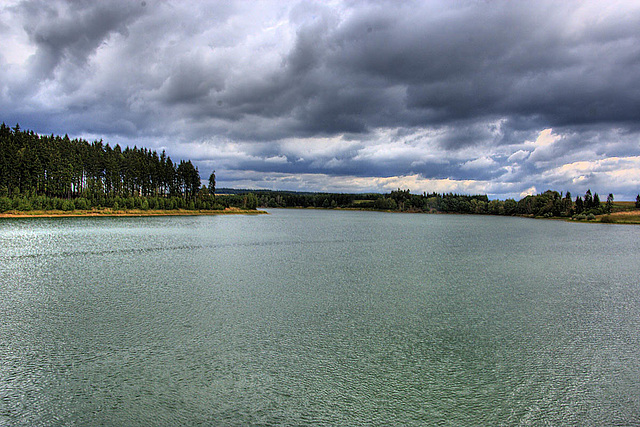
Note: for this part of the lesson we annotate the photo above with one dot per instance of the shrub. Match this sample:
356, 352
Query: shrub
153, 203
57, 204
607, 219
24, 205
591, 217
5, 204
68, 205
39, 202
385, 203
580, 217
82, 203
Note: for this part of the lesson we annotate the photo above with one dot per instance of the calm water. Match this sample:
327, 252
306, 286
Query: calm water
319, 317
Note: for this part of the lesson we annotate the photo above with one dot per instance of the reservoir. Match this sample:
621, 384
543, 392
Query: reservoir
319, 317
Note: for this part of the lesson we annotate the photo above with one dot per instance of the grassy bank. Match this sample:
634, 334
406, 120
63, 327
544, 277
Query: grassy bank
125, 212
623, 217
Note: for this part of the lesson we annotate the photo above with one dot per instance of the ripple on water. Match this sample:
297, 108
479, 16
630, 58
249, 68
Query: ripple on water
334, 318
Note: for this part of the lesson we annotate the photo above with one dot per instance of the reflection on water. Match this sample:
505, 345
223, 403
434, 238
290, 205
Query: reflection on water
318, 317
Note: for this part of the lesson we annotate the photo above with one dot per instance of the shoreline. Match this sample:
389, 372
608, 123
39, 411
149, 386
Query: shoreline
126, 213
621, 218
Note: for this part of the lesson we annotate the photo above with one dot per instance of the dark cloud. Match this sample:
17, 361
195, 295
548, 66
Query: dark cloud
438, 90
515, 60
69, 33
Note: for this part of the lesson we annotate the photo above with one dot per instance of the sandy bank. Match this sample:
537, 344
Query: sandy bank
126, 212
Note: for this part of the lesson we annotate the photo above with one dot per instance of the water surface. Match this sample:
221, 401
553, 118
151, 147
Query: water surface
318, 317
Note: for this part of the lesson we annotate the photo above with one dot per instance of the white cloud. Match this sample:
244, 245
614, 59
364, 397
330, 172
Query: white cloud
324, 182
545, 137
16, 48
276, 159
479, 163
529, 192
518, 156
545, 148
616, 172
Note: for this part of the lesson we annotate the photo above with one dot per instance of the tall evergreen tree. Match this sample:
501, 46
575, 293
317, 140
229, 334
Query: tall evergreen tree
61, 167
579, 205
212, 183
596, 201
588, 200
568, 204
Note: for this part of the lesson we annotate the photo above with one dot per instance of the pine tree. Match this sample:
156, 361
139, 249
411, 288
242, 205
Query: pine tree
212, 183
579, 205
588, 200
50, 167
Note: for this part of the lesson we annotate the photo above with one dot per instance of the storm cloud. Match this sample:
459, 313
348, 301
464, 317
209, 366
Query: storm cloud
493, 97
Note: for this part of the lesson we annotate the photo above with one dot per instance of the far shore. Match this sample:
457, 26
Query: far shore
623, 217
126, 213
626, 217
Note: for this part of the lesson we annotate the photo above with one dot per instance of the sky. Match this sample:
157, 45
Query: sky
504, 98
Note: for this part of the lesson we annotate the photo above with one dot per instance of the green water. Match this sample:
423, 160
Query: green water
319, 318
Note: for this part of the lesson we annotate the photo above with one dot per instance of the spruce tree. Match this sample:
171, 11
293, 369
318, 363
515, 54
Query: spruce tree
609, 202
212, 183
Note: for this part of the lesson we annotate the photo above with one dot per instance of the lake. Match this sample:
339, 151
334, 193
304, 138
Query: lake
314, 317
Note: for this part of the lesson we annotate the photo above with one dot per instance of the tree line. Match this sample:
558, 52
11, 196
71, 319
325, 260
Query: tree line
548, 204
57, 166
40, 172
47, 172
